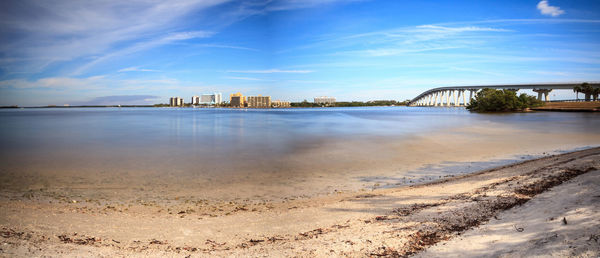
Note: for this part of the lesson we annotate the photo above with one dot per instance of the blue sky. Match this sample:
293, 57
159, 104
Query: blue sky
143, 52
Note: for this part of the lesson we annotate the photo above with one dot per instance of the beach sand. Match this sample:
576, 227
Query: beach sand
399, 221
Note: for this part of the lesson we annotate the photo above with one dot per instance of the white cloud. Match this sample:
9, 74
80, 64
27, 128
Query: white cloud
141, 46
69, 30
282, 5
546, 9
415, 39
56, 83
270, 71
438, 28
380, 52
136, 69
226, 46
187, 35
245, 78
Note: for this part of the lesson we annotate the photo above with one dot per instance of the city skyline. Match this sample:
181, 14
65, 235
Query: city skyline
143, 52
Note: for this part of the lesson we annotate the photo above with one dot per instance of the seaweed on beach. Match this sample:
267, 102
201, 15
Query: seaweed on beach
405, 211
551, 181
7, 233
313, 233
79, 241
477, 212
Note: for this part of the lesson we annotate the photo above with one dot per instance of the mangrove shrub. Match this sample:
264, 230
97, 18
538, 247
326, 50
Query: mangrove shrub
491, 100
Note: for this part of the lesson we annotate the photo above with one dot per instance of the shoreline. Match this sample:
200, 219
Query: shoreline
354, 223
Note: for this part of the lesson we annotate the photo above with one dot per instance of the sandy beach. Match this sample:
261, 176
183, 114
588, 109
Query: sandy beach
286, 128
487, 205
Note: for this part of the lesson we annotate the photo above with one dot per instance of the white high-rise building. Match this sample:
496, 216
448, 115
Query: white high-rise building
218, 98
195, 100
211, 99
325, 100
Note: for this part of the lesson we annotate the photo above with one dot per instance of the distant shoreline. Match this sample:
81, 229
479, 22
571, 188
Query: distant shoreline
559, 106
152, 106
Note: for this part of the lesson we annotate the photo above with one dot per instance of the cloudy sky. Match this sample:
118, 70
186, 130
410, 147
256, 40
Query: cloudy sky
144, 51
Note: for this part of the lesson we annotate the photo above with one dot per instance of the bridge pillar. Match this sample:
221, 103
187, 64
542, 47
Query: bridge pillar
471, 95
543, 92
464, 99
447, 98
435, 101
442, 98
455, 93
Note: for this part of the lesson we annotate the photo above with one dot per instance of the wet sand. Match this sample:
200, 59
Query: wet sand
309, 169
390, 222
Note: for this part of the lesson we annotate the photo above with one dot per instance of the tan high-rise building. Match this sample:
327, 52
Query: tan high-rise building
280, 104
237, 100
176, 102
259, 101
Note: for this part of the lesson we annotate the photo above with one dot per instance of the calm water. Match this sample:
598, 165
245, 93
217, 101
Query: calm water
228, 142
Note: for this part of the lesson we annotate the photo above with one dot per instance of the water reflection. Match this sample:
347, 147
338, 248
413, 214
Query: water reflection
230, 144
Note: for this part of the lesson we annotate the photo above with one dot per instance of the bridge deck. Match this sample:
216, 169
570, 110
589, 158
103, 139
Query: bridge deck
541, 86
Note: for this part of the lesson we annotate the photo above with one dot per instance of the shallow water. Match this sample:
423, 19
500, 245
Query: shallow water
285, 150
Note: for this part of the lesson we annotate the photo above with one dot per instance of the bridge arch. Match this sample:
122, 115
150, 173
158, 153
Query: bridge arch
451, 96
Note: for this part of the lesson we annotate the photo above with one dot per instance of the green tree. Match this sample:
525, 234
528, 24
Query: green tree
587, 89
577, 89
491, 100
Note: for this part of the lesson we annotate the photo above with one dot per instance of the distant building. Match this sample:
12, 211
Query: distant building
195, 100
218, 98
259, 101
325, 100
237, 100
280, 104
176, 102
211, 99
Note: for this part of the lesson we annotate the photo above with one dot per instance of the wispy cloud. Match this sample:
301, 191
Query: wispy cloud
270, 71
68, 30
438, 28
282, 5
225, 46
141, 46
381, 52
136, 69
414, 39
91, 84
546, 9
246, 78
56, 83
119, 100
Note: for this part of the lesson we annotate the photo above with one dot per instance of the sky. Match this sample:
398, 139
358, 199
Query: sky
145, 51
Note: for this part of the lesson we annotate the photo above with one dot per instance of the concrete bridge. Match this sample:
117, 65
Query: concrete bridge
457, 95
